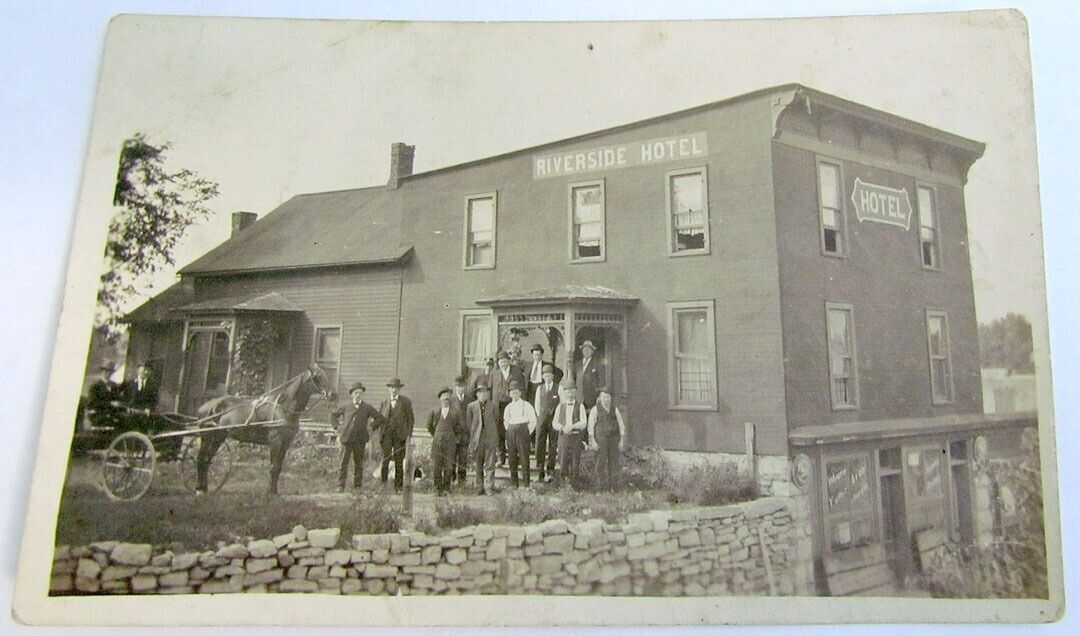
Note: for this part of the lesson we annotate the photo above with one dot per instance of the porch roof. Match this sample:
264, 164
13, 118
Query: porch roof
273, 302
591, 294
824, 434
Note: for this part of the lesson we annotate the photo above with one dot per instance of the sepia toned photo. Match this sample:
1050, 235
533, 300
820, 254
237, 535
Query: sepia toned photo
521, 311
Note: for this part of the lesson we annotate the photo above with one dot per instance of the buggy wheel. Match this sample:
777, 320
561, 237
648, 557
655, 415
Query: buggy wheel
220, 467
128, 466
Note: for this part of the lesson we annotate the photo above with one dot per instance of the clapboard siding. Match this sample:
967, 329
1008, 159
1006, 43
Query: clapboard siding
364, 303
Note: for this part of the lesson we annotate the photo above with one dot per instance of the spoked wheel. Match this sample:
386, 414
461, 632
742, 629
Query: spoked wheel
128, 468
220, 467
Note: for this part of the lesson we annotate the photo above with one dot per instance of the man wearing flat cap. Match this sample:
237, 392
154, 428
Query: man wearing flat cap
351, 423
481, 417
520, 420
446, 427
396, 431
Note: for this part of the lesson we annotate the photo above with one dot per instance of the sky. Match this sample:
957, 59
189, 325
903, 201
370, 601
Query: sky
274, 108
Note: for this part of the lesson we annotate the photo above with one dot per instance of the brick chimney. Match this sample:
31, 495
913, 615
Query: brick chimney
401, 160
241, 221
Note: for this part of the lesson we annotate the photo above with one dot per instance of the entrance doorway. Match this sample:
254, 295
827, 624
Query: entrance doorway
893, 512
207, 359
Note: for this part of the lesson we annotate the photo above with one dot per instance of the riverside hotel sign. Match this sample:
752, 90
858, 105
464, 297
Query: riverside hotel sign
634, 153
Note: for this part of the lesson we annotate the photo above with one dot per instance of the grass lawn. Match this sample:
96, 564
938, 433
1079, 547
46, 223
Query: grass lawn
169, 515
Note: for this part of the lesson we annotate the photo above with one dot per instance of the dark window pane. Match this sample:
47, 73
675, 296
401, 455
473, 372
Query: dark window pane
831, 241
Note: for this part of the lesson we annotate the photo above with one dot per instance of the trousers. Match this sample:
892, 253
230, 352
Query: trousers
393, 451
351, 453
547, 443
486, 457
517, 442
569, 456
443, 450
607, 460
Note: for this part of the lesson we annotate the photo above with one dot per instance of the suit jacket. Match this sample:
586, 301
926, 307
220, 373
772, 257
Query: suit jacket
353, 431
590, 380
500, 388
145, 398
474, 381
460, 405
399, 422
451, 425
482, 430
545, 403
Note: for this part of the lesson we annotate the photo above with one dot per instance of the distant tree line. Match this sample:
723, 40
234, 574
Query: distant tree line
1006, 343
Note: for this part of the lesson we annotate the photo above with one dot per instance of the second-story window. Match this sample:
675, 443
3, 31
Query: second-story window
831, 206
928, 228
480, 232
587, 221
840, 331
688, 211
941, 378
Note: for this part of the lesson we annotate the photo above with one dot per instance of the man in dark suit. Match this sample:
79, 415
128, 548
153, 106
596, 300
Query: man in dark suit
446, 427
103, 400
547, 439
459, 401
351, 423
395, 431
500, 393
482, 377
590, 376
534, 371
481, 418
142, 391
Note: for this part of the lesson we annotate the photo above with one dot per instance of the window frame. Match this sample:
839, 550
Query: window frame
850, 309
570, 221
341, 346
674, 308
472, 313
951, 398
932, 189
841, 211
467, 244
668, 177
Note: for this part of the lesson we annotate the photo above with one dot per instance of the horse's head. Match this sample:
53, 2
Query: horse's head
318, 378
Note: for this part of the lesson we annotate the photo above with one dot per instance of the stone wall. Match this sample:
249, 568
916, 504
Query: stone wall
752, 548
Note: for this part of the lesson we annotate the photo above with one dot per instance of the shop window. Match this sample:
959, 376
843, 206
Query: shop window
688, 211
692, 361
477, 338
929, 245
937, 336
849, 507
587, 221
831, 209
843, 381
480, 231
328, 351
925, 477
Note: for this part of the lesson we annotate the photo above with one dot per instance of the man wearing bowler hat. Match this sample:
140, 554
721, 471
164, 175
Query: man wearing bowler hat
500, 393
351, 422
396, 431
547, 439
445, 425
481, 417
459, 401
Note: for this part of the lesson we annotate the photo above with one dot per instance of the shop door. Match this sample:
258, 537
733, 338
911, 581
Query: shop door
893, 513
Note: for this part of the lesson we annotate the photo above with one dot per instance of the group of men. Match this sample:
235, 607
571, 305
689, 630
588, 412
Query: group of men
116, 405
496, 417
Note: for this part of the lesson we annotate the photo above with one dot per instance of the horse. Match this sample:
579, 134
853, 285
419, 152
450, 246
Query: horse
272, 419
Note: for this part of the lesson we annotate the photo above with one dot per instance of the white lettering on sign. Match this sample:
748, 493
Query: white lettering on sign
636, 153
881, 204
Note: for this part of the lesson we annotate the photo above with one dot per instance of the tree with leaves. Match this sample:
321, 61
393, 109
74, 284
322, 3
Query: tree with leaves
154, 207
1006, 343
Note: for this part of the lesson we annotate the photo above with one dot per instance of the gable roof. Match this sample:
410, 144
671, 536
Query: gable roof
346, 227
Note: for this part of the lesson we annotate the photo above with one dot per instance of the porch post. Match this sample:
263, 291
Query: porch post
571, 341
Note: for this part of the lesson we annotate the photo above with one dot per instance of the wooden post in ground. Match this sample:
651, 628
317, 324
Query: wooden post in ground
751, 458
407, 480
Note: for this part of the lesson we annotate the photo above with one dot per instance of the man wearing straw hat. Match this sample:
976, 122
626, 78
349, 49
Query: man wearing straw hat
396, 431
